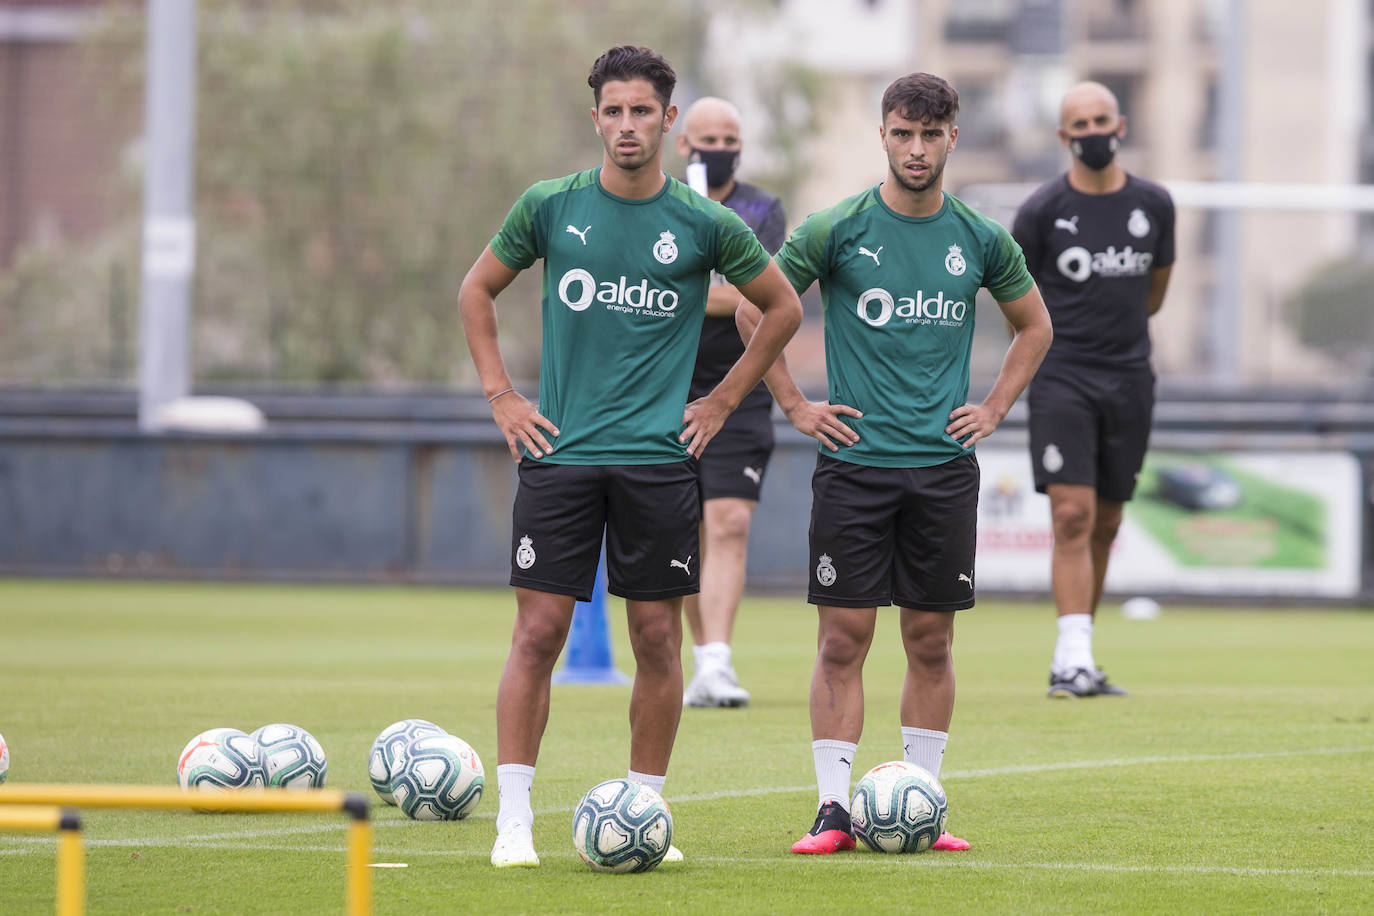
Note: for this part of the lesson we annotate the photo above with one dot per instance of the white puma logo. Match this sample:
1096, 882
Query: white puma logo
871, 254
681, 564
582, 234
964, 578
754, 475
1069, 224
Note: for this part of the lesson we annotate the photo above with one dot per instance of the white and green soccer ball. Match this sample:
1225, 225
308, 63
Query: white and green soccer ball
437, 778
899, 807
622, 826
220, 758
389, 747
291, 757
4, 759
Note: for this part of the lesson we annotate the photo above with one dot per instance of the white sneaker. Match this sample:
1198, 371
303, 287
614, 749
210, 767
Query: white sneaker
673, 854
515, 847
715, 685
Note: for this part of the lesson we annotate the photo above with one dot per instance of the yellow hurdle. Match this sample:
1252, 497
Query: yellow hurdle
71, 857
359, 875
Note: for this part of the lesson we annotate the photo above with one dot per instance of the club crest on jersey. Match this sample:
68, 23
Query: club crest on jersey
825, 572
665, 250
524, 554
1138, 224
954, 261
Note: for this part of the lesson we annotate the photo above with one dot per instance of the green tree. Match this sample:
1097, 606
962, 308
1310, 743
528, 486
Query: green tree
1330, 312
352, 160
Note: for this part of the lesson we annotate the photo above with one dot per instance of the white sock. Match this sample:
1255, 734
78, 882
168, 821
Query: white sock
924, 747
653, 782
1075, 646
698, 657
834, 765
513, 783
716, 654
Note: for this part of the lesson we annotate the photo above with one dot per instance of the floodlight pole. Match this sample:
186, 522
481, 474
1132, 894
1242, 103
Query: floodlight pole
169, 229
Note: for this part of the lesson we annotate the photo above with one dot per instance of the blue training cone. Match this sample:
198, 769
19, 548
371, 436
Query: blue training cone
588, 657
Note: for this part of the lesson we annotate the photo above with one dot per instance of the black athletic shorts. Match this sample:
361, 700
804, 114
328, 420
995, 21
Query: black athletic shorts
1091, 428
735, 461
648, 512
903, 536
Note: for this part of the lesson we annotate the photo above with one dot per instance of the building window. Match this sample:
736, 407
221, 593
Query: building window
981, 125
980, 20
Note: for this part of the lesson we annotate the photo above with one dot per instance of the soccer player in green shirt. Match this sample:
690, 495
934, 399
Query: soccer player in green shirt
612, 445
895, 491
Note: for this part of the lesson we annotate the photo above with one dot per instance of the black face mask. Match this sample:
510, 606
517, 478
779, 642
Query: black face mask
1096, 151
720, 164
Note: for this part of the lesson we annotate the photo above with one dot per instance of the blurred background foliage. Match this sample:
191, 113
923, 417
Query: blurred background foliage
1330, 312
352, 159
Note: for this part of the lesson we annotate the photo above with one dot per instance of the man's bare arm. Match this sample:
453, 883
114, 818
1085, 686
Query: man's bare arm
781, 315
517, 418
1031, 336
818, 419
1159, 282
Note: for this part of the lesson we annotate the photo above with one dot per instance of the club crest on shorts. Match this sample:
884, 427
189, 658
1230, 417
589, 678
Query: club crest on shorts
954, 261
1138, 224
665, 250
1053, 459
825, 572
524, 554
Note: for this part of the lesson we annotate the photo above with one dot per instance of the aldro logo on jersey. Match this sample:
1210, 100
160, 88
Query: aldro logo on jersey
1078, 263
578, 288
877, 307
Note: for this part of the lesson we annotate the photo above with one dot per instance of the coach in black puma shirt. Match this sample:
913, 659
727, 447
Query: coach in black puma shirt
733, 466
1100, 243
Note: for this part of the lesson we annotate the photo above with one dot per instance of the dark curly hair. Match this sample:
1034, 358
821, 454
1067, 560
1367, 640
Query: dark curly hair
629, 62
922, 97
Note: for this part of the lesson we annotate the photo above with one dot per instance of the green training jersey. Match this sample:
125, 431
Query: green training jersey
624, 297
898, 295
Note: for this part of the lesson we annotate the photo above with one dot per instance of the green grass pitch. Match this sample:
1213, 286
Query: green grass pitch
1238, 777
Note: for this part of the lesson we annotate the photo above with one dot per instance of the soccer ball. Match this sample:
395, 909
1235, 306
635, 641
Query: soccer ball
391, 744
4, 759
622, 826
437, 778
291, 756
221, 758
899, 807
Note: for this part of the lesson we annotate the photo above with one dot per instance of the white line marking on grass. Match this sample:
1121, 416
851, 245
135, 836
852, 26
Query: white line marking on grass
1017, 769
211, 840
862, 860
1141, 761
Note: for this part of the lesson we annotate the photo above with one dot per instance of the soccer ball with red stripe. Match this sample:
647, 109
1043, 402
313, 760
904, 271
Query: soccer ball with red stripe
221, 758
899, 807
437, 778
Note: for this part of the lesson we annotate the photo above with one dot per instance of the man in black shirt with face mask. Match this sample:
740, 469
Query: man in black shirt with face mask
733, 465
1100, 244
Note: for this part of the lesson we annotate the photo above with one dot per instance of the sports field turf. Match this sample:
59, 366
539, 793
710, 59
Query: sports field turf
1238, 778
